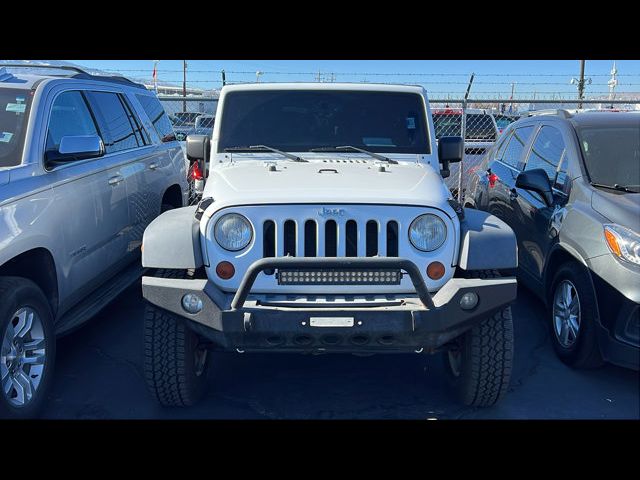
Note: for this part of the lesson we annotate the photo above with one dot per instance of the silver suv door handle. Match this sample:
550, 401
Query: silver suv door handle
153, 166
116, 180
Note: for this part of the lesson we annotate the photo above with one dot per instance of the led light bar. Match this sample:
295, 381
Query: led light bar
347, 276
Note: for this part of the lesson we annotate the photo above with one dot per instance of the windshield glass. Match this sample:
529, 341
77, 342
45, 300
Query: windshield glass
301, 120
503, 122
204, 122
14, 112
479, 126
612, 153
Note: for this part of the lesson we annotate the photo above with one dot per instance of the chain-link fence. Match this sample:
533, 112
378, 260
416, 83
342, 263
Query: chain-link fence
479, 122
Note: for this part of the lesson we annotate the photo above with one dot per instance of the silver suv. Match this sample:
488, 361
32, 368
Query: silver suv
86, 163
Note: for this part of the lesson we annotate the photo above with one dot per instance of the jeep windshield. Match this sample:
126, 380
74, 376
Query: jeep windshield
14, 112
305, 120
612, 155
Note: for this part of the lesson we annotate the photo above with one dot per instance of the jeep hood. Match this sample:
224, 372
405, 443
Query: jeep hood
252, 182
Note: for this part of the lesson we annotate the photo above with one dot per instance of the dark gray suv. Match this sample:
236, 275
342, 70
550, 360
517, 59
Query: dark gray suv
568, 185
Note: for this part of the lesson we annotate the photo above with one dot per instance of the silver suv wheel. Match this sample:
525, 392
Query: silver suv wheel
566, 313
23, 357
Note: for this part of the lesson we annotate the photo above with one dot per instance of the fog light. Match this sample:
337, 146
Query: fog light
225, 270
191, 303
469, 301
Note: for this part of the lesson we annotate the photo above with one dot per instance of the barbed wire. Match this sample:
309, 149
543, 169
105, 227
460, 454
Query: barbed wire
372, 74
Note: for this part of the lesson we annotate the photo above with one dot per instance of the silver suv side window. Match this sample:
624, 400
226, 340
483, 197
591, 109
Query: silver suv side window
70, 115
547, 151
115, 123
158, 117
516, 144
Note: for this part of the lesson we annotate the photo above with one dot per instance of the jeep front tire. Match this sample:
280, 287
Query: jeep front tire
175, 361
479, 363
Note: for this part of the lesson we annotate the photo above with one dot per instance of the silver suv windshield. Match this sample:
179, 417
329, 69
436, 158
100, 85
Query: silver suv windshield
304, 120
15, 104
612, 155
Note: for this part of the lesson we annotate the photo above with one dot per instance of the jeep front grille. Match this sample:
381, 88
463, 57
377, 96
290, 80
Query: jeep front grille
326, 239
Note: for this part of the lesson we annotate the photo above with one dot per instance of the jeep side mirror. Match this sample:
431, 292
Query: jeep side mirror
450, 150
198, 147
76, 147
536, 180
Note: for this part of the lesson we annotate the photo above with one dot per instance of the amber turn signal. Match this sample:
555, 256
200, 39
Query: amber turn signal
225, 270
435, 270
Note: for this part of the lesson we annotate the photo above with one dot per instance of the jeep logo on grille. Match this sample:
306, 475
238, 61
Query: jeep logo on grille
331, 212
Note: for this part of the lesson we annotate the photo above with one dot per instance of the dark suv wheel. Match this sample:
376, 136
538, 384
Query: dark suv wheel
572, 313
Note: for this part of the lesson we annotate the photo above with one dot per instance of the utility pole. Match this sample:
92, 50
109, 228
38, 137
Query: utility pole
581, 84
224, 78
184, 85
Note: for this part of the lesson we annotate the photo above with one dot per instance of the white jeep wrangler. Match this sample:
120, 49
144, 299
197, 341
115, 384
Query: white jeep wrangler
325, 226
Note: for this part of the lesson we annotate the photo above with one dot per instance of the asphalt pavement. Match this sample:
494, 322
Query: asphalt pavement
99, 376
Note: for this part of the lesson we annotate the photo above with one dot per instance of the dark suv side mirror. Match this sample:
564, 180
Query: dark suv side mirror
536, 180
198, 147
450, 150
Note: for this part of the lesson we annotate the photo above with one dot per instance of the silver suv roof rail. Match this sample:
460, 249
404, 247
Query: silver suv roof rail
552, 111
78, 73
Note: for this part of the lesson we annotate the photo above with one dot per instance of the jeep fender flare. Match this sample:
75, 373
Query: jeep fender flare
486, 242
172, 240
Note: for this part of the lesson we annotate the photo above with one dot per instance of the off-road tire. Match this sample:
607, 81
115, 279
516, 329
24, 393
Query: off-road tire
15, 293
585, 353
169, 352
486, 358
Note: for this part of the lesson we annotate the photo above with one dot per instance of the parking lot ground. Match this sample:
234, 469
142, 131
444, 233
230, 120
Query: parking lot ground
99, 376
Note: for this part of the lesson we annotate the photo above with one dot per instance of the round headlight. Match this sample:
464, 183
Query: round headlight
233, 232
427, 232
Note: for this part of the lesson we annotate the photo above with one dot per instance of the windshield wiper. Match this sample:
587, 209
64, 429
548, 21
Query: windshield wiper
262, 148
355, 149
617, 187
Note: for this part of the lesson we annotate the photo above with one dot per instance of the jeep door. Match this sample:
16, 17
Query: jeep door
94, 202
536, 223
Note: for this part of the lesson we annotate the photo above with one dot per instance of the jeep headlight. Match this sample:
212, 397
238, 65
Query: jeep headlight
233, 232
623, 242
427, 232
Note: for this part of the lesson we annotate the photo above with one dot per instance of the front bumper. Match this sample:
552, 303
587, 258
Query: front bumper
411, 323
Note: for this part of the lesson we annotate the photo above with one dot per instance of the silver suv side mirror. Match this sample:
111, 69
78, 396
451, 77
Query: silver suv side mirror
76, 147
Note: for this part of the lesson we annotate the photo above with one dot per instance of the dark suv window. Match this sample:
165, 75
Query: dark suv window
114, 121
158, 117
70, 116
547, 151
514, 149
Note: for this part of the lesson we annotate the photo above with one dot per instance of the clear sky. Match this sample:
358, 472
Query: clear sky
493, 77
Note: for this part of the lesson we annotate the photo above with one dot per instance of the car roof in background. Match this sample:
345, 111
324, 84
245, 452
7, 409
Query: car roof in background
27, 76
605, 118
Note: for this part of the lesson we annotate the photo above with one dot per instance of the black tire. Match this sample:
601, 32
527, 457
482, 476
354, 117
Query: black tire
585, 350
481, 371
171, 350
17, 293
